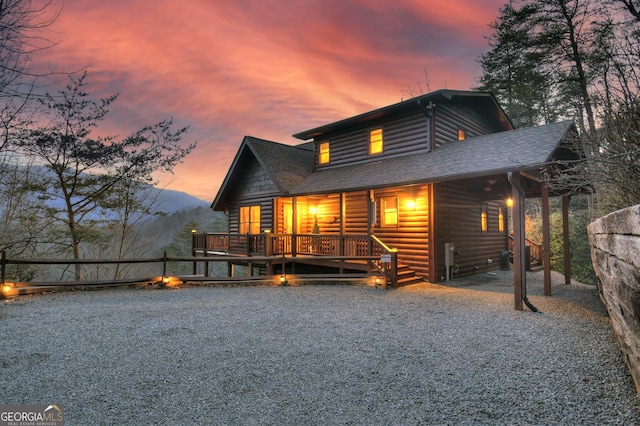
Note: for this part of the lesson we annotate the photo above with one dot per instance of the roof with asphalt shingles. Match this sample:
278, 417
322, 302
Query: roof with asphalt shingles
514, 150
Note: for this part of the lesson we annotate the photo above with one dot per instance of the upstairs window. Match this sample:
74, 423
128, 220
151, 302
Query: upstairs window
389, 211
250, 220
462, 134
324, 153
375, 141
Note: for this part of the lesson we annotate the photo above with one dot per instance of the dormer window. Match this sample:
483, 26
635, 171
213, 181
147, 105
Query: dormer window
462, 134
324, 153
375, 142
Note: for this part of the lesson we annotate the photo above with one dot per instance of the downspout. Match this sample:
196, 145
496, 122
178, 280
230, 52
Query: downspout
515, 184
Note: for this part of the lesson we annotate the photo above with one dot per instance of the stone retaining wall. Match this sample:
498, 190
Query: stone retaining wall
615, 251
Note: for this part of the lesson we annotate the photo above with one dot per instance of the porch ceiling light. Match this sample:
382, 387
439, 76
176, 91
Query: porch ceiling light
411, 204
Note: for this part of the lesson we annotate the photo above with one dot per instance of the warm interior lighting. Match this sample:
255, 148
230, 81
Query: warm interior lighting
462, 134
375, 141
509, 202
324, 155
313, 210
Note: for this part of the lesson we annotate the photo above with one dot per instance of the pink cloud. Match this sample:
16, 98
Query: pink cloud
265, 68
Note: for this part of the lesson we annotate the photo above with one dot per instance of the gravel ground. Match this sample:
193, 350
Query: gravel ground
319, 355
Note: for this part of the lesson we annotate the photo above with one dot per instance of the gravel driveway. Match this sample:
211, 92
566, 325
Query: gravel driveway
318, 355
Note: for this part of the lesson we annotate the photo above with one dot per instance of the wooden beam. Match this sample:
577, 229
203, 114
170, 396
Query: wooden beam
546, 240
433, 259
519, 272
565, 236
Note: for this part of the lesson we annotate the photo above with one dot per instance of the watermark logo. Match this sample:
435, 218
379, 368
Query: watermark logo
31, 415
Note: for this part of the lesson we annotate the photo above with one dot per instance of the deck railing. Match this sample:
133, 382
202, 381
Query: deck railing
322, 245
534, 248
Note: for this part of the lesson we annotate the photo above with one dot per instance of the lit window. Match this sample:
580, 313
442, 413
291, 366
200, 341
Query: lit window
500, 220
250, 220
389, 211
375, 141
462, 134
484, 221
324, 153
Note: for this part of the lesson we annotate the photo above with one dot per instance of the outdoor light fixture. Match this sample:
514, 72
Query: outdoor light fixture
6, 289
509, 202
283, 279
313, 210
411, 204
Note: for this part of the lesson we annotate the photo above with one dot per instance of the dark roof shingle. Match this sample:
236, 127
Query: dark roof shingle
514, 150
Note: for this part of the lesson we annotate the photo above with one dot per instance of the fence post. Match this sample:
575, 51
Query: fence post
4, 263
164, 265
206, 249
193, 250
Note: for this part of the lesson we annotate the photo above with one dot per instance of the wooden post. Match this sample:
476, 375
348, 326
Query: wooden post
206, 249
394, 268
565, 236
164, 264
546, 240
519, 272
268, 248
3, 267
194, 243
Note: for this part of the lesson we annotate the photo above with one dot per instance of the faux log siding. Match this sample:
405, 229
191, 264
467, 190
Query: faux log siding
266, 213
253, 188
458, 221
356, 213
411, 237
403, 135
449, 120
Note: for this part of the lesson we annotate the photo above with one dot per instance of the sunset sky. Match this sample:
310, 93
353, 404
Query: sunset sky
265, 68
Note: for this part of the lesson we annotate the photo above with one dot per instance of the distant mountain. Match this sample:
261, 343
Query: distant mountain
169, 201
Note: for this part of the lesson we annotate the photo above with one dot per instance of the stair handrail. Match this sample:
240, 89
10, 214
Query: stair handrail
391, 273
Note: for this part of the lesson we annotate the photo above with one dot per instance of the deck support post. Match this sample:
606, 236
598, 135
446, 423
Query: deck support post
546, 240
519, 270
565, 236
393, 274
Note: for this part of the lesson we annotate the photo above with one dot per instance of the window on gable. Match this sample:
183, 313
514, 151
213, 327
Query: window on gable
375, 142
462, 134
389, 211
250, 220
324, 153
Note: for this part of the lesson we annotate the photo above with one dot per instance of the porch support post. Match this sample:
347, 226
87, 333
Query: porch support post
370, 219
546, 240
342, 241
519, 273
565, 236
433, 260
294, 220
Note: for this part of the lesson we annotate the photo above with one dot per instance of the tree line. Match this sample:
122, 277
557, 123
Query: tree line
550, 60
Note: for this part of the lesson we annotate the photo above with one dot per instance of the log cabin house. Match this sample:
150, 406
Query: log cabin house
427, 180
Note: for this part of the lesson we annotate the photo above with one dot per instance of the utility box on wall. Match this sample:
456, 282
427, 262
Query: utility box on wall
449, 254
449, 258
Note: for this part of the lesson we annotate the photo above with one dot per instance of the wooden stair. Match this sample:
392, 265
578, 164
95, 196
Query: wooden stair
407, 276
